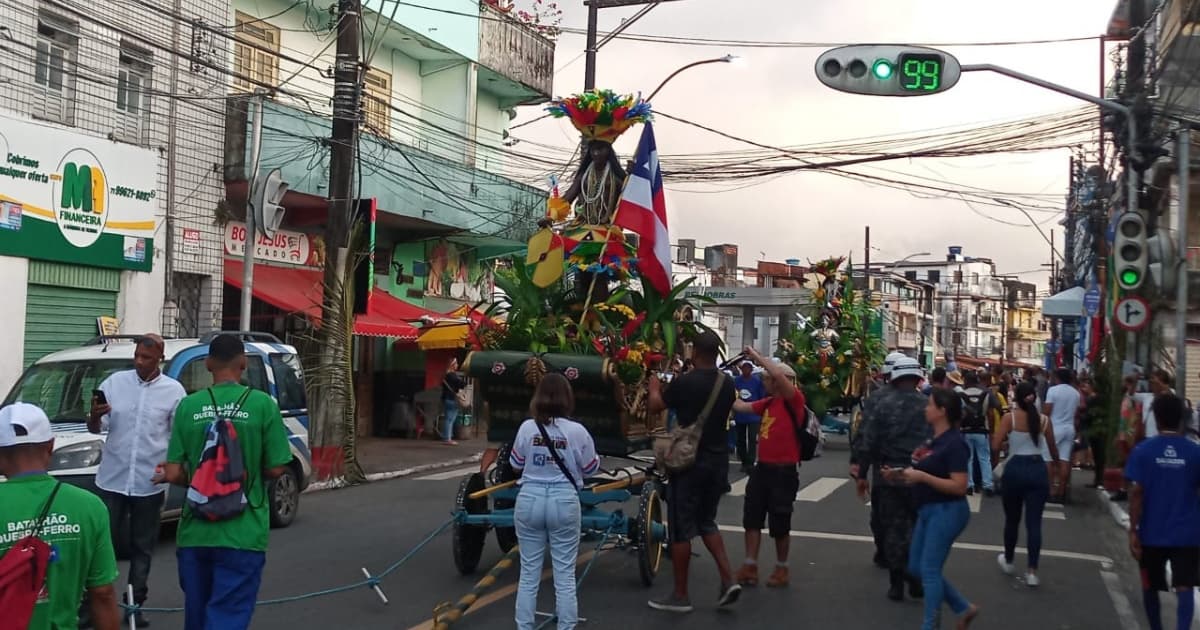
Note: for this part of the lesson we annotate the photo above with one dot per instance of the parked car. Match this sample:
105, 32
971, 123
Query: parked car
61, 384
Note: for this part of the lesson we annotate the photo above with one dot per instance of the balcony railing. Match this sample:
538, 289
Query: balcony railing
515, 50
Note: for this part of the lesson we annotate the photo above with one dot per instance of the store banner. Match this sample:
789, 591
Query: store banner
73, 198
292, 248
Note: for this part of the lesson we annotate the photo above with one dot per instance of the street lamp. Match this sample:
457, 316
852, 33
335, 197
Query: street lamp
907, 258
725, 59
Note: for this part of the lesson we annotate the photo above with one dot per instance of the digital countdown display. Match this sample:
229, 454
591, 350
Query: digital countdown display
920, 72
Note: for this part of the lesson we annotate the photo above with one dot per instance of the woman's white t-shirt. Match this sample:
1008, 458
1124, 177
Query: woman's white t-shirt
572, 442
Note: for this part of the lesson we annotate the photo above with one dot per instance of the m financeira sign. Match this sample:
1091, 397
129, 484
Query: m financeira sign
77, 199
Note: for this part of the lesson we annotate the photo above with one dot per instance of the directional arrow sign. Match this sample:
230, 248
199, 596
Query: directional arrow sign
1132, 313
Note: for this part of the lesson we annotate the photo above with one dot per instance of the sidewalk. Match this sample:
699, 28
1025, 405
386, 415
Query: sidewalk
396, 457
389, 458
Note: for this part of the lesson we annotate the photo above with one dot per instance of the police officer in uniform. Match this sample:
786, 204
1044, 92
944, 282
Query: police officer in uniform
893, 427
874, 396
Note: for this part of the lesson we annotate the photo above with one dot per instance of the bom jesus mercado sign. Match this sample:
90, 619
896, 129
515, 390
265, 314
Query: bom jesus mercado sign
76, 199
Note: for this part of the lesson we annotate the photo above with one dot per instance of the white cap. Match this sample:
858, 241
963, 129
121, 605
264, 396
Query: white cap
907, 367
29, 420
890, 361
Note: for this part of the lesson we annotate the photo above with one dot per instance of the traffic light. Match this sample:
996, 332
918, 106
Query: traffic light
1163, 261
266, 197
1129, 251
884, 70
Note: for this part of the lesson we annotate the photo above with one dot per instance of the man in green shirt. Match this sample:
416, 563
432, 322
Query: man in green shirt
75, 527
221, 562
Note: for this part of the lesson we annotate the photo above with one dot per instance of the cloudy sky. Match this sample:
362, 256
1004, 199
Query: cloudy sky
775, 98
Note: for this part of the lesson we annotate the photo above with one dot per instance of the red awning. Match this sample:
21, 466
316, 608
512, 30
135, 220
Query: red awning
297, 290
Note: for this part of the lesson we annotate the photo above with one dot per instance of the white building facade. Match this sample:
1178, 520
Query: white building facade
112, 151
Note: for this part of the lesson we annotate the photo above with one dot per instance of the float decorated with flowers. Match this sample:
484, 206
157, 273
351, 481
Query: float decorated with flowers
577, 302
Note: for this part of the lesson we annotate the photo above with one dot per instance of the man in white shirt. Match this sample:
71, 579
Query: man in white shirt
136, 409
1062, 403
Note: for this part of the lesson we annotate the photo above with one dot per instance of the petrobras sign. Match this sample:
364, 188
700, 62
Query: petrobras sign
77, 199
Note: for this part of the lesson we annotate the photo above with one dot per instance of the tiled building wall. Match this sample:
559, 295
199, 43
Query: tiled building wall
190, 199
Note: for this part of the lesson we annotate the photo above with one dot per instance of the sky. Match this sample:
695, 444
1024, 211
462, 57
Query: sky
772, 96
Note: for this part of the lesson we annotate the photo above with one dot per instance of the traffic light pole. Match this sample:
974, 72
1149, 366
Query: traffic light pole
1131, 202
251, 225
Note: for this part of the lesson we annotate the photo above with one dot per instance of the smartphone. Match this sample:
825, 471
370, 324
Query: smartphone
98, 395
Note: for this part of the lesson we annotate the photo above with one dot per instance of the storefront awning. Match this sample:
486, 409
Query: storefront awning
1067, 303
444, 337
298, 291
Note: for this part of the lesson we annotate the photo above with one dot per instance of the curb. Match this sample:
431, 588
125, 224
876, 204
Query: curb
340, 482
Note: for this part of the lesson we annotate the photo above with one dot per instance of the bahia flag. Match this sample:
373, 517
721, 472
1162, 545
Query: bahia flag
643, 210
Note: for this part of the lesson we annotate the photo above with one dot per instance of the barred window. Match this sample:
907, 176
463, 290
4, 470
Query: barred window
377, 99
255, 54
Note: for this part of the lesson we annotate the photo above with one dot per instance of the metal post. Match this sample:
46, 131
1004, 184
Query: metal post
1184, 173
867, 264
251, 229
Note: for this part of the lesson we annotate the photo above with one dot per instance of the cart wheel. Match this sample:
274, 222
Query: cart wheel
467, 540
505, 536
649, 519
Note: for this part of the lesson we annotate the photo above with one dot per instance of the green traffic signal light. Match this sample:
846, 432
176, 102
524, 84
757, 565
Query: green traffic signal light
1130, 277
882, 69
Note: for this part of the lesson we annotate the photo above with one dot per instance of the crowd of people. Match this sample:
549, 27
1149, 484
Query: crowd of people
57, 563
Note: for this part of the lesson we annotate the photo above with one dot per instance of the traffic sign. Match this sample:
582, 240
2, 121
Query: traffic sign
888, 70
1132, 313
1091, 301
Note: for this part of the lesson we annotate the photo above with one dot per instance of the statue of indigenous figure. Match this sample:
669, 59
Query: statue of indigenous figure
596, 250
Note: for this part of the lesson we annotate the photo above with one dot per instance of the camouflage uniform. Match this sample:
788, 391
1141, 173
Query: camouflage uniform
893, 427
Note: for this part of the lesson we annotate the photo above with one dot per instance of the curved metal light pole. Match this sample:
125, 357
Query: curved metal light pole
725, 59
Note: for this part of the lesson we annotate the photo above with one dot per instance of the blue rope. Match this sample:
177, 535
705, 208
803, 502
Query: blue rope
586, 569
369, 582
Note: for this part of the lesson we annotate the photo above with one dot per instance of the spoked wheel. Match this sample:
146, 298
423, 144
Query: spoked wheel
505, 536
467, 540
650, 519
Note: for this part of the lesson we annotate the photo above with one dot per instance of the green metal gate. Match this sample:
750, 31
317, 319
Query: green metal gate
62, 303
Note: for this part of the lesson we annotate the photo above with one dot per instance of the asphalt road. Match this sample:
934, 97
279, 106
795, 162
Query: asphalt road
1087, 579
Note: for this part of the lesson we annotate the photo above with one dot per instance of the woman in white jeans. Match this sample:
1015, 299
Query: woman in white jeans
553, 456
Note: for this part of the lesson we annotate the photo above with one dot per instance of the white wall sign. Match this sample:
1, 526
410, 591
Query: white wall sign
293, 248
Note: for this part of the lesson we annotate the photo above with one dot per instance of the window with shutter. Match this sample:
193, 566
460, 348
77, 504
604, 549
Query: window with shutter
133, 97
54, 68
377, 99
255, 54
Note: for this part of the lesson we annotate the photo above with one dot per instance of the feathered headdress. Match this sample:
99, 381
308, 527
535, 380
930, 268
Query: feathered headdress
601, 114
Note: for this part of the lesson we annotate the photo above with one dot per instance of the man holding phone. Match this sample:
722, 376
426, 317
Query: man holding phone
136, 407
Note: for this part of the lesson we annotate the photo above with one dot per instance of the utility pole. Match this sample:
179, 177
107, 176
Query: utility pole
1184, 173
336, 403
589, 60
251, 241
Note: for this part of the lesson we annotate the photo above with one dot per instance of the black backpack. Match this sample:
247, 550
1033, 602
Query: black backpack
975, 409
808, 433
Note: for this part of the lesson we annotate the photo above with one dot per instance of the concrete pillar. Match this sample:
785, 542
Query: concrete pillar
781, 328
747, 328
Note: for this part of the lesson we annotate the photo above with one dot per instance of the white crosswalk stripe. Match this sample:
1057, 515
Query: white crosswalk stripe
821, 488
448, 474
975, 502
738, 488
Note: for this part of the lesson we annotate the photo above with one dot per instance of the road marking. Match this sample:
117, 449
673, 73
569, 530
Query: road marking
974, 501
1112, 584
821, 488
448, 474
1104, 561
738, 488
1054, 512
499, 594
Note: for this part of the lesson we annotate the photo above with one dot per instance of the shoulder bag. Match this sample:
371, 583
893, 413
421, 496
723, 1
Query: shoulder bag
676, 451
554, 453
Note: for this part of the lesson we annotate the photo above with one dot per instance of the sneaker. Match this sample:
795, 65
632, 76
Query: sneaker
747, 575
1031, 580
671, 603
729, 595
779, 578
1005, 565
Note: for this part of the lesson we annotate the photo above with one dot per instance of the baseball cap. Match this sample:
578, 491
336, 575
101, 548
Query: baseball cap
23, 423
